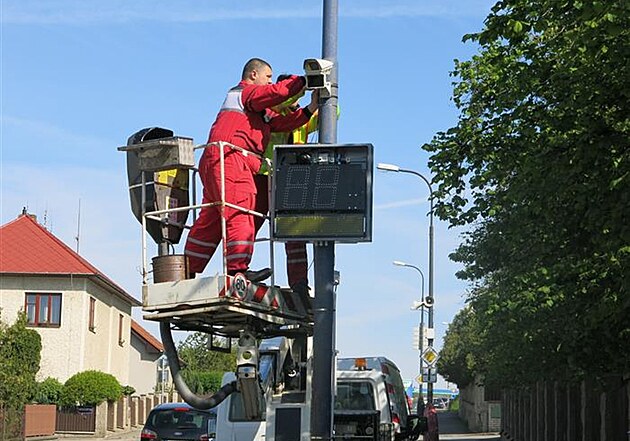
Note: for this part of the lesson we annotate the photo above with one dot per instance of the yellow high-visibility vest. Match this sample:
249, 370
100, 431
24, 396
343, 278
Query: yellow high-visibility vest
298, 136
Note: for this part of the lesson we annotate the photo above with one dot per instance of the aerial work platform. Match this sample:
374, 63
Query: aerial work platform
223, 305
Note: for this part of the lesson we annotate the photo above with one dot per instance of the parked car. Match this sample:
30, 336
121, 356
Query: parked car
439, 403
179, 422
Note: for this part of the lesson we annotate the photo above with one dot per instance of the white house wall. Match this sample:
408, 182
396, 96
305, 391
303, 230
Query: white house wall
72, 347
102, 350
143, 366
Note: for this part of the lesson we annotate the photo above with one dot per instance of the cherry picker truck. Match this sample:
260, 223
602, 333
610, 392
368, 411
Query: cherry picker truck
319, 193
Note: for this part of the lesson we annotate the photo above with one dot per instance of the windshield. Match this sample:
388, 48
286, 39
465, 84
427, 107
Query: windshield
356, 395
178, 419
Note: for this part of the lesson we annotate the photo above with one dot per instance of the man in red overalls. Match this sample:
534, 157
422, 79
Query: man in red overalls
297, 260
246, 122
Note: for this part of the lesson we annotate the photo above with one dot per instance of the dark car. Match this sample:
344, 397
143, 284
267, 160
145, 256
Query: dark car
439, 403
179, 421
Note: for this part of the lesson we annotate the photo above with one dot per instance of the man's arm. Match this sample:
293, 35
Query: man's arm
293, 120
259, 98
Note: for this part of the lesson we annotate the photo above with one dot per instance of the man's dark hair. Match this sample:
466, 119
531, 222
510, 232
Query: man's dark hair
252, 65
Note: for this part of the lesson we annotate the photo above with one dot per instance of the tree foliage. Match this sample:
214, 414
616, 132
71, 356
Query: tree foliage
90, 388
457, 362
203, 383
48, 391
538, 167
196, 355
20, 349
203, 368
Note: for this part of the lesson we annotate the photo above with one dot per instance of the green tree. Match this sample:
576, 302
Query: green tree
197, 356
459, 353
90, 388
538, 166
203, 368
203, 383
20, 350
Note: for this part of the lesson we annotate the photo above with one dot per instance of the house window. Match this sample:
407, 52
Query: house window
43, 309
91, 325
121, 340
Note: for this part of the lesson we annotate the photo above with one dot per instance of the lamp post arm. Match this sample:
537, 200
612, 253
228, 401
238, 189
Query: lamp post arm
421, 276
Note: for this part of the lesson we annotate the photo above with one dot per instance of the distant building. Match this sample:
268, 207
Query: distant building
83, 317
145, 359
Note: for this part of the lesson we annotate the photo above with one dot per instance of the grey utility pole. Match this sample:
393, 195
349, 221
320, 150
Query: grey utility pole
324, 257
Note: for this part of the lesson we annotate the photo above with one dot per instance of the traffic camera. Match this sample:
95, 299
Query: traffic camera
317, 72
426, 303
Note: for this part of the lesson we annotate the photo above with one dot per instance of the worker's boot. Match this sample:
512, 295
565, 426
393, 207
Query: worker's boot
258, 276
302, 290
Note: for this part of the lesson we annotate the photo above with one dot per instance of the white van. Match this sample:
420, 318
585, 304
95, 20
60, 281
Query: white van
371, 402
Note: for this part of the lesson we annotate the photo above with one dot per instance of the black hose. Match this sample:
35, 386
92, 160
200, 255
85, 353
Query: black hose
190, 397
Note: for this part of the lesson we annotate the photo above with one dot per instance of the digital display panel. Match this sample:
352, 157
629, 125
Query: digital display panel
322, 192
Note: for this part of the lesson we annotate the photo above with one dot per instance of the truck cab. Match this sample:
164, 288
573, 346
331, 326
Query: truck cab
371, 402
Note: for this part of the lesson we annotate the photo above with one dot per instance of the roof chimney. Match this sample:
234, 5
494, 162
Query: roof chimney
26, 213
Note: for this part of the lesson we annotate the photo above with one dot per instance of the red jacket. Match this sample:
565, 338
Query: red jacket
246, 121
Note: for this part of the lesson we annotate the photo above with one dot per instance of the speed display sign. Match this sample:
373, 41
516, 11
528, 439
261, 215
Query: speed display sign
322, 192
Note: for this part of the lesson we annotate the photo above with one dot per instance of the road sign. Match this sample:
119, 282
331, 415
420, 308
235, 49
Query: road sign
430, 356
428, 376
421, 337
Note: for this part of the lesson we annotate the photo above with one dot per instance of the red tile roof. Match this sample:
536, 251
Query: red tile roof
146, 336
26, 247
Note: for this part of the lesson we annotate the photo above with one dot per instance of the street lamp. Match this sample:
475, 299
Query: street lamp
417, 306
397, 169
399, 263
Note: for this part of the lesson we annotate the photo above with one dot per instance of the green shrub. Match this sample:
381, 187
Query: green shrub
454, 404
90, 388
203, 382
128, 390
48, 391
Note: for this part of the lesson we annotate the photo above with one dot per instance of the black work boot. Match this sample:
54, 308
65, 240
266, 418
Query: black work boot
302, 290
301, 287
258, 276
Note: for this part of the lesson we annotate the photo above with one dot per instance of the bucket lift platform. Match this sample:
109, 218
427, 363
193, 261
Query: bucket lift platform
224, 305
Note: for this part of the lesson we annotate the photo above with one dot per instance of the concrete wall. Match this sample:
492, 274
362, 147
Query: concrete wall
480, 415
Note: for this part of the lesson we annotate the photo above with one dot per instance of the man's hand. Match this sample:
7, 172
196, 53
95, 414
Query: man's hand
314, 104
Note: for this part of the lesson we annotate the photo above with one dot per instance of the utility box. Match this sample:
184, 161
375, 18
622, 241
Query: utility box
322, 192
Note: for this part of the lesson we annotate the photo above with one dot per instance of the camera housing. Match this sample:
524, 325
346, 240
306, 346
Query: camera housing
317, 72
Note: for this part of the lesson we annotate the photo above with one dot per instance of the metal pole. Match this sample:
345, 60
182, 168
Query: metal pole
421, 330
394, 168
430, 341
324, 256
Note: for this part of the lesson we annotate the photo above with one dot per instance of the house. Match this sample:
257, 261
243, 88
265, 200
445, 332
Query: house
83, 317
146, 360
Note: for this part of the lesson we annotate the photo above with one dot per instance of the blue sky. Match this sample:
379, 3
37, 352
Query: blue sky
78, 77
